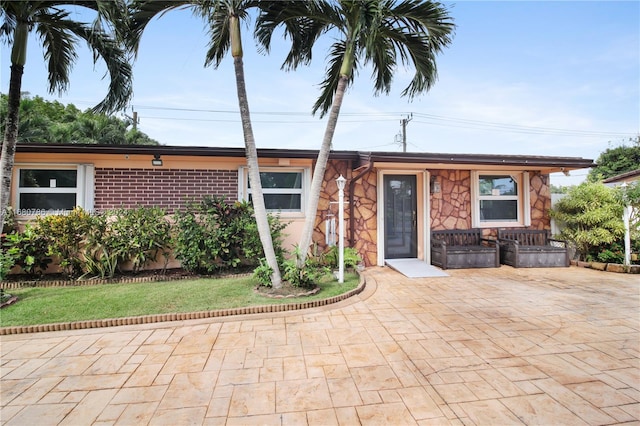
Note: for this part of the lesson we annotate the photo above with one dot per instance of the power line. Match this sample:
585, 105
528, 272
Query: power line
259, 121
469, 123
430, 119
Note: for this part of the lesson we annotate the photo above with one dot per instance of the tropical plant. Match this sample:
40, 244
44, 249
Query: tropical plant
29, 249
351, 258
59, 35
138, 235
66, 237
212, 234
7, 261
262, 273
98, 256
223, 18
590, 217
379, 33
307, 275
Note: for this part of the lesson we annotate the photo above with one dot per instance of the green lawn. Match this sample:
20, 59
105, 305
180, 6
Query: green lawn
47, 305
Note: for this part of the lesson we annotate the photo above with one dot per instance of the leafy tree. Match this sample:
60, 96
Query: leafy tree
59, 35
379, 33
590, 216
43, 121
618, 160
555, 189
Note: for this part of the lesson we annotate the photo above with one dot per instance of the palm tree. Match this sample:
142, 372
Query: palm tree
224, 18
379, 33
59, 36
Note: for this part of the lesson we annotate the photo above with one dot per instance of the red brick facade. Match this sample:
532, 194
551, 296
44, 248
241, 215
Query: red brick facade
166, 188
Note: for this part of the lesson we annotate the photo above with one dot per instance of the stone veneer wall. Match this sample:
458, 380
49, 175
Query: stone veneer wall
364, 209
366, 218
450, 208
166, 188
540, 193
329, 195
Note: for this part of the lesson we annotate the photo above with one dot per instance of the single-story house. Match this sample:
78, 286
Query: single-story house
628, 178
393, 199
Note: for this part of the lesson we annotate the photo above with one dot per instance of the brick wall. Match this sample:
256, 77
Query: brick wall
166, 188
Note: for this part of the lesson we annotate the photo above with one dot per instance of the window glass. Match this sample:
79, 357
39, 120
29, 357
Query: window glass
498, 199
498, 185
280, 180
47, 191
34, 178
35, 201
282, 201
499, 210
282, 190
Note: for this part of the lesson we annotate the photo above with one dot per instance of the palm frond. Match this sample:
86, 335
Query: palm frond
9, 22
219, 36
382, 57
56, 33
330, 83
59, 37
303, 22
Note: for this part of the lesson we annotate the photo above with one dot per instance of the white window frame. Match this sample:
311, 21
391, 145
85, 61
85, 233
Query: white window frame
524, 204
244, 191
84, 189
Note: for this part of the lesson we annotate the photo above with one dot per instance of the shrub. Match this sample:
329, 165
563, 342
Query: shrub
29, 250
138, 235
7, 260
590, 217
613, 253
211, 235
100, 259
65, 235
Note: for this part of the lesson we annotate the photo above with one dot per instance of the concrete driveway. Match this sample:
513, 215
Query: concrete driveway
492, 346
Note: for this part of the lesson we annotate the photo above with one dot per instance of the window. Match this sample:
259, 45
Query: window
499, 199
53, 189
283, 189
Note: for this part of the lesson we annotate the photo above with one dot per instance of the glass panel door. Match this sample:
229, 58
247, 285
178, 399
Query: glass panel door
400, 213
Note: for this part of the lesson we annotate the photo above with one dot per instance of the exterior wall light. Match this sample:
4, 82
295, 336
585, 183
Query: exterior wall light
435, 185
157, 161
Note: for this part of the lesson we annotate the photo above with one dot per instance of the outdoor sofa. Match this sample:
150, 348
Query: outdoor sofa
463, 248
528, 248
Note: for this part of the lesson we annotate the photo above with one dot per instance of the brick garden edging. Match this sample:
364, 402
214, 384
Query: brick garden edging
147, 319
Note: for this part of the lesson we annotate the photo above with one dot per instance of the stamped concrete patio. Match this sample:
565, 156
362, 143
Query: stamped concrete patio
492, 346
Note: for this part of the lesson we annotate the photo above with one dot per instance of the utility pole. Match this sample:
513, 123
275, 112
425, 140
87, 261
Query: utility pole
404, 122
134, 119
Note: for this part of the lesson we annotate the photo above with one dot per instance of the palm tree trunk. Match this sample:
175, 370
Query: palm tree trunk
251, 153
18, 59
10, 138
318, 172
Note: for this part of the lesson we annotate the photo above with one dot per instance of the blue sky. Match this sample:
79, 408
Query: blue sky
523, 78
